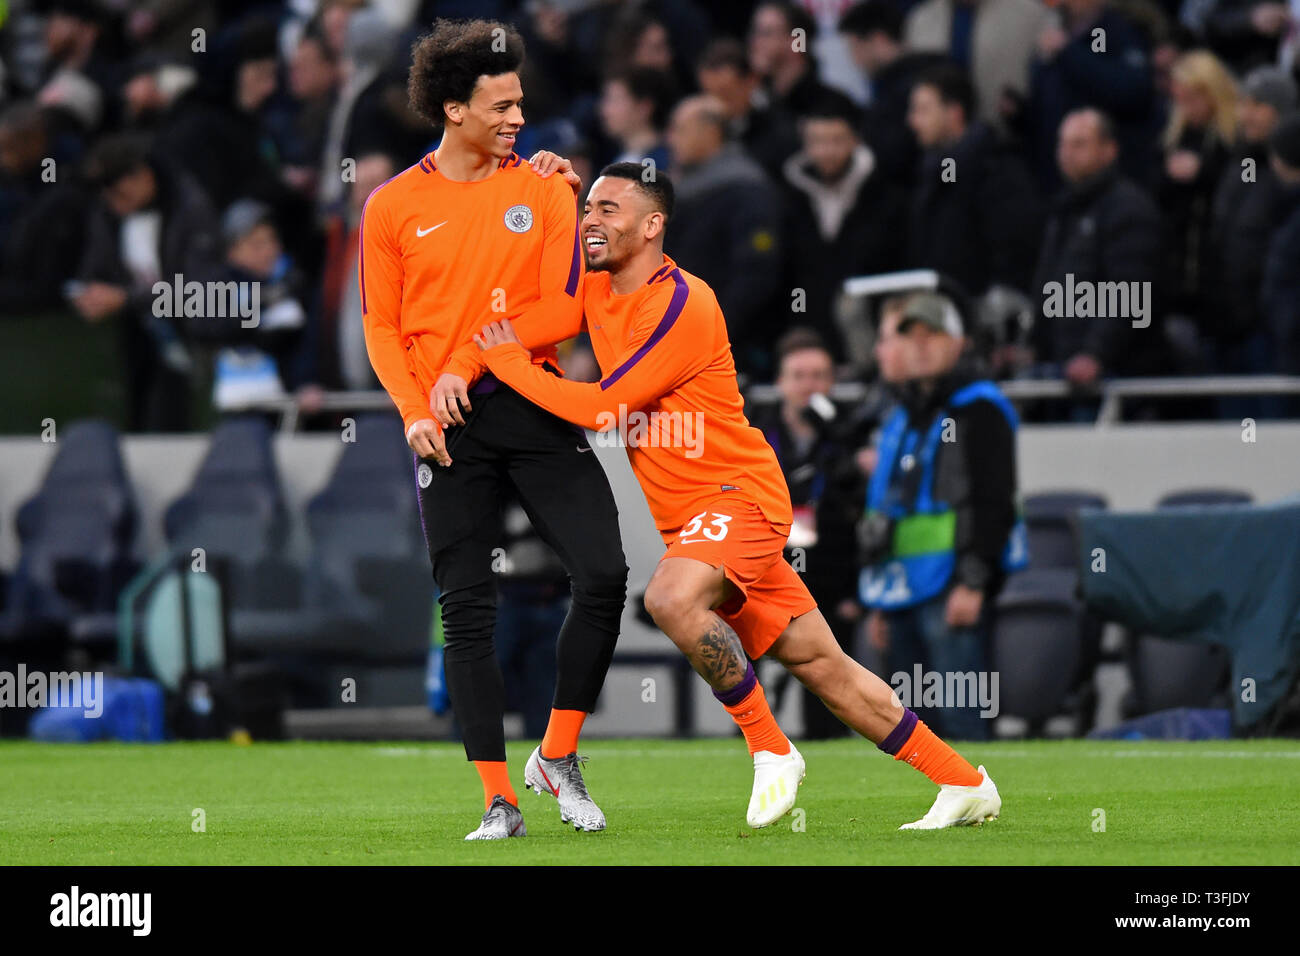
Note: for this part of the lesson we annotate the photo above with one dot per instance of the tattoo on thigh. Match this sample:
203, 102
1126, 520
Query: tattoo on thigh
719, 657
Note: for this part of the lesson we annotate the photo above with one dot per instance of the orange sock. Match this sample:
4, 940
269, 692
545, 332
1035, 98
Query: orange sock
755, 720
495, 780
927, 753
562, 733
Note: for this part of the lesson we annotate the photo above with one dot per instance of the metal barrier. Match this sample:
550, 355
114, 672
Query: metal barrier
1112, 393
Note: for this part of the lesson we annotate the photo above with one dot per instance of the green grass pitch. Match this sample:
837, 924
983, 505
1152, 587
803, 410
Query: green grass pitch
667, 802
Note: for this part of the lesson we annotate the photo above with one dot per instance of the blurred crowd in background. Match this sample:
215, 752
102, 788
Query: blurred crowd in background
1007, 144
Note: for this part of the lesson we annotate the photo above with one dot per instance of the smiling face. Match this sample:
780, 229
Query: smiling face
492, 118
618, 221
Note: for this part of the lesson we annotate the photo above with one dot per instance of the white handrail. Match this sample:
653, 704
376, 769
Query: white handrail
1112, 393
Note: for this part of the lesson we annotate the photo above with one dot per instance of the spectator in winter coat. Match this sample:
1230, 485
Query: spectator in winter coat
1095, 57
726, 227
841, 215
1280, 295
149, 225
1102, 229
1245, 200
975, 215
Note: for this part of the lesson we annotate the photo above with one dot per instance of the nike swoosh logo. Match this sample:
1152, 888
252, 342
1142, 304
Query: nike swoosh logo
580, 448
550, 786
424, 232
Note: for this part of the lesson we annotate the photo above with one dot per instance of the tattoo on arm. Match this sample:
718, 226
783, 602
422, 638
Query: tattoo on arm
719, 657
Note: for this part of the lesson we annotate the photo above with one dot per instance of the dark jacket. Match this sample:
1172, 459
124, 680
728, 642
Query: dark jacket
983, 227
187, 243
806, 93
1118, 82
975, 474
726, 230
1242, 221
41, 247
1102, 230
866, 242
233, 155
767, 134
1186, 208
1280, 294
1231, 35
885, 128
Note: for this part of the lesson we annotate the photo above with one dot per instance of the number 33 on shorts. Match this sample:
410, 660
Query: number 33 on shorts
715, 530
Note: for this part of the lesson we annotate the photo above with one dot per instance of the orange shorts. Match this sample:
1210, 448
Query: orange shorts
735, 535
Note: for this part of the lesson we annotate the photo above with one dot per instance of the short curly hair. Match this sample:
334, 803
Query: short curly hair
448, 60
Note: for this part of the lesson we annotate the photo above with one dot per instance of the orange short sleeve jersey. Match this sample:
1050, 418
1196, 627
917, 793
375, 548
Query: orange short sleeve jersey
670, 386
439, 259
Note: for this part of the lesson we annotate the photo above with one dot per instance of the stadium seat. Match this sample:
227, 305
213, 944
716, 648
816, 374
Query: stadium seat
366, 590
369, 569
1037, 646
1049, 520
1192, 497
1168, 673
235, 511
76, 534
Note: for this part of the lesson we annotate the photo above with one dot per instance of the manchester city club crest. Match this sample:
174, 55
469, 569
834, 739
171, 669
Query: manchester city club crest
519, 218
424, 475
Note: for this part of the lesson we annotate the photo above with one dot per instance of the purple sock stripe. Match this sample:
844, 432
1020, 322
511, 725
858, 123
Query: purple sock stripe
898, 736
730, 698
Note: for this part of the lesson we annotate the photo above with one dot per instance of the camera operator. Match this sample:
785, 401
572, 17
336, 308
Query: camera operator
940, 530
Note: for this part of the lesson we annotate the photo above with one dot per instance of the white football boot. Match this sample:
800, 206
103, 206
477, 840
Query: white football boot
776, 786
961, 806
562, 779
501, 821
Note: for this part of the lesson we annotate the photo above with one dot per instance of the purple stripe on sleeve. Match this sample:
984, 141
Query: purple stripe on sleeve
361, 240
898, 736
575, 264
730, 698
675, 306
361, 253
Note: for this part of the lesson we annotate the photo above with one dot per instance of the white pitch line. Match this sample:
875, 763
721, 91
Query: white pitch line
862, 751
1208, 753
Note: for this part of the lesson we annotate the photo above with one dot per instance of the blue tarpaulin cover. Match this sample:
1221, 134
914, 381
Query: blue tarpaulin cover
1226, 574
1181, 723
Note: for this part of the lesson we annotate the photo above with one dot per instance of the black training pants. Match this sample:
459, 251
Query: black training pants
508, 440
